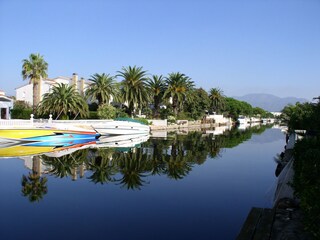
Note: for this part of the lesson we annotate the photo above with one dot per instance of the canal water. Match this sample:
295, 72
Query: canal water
196, 185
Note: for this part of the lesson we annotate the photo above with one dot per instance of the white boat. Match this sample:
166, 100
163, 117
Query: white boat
121, 127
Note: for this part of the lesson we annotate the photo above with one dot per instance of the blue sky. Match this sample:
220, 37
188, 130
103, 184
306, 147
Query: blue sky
240, 46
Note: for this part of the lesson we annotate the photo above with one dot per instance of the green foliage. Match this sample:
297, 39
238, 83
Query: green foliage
35, 68
178, 87
63, 101
156, 88
234, 108
106, 112
103, 87
171, 119
183, 116
142, 120
93, 115
165, 112
306, 181
302, 116
217, 100
261, 112
21, 110
110, 112
197, 105
133, 87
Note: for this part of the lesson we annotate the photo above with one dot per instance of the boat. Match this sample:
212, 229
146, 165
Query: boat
123, 126
45, 134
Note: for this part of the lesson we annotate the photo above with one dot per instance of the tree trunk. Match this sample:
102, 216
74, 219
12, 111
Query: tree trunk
36, 95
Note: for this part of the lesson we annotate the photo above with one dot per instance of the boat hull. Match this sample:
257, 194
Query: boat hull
38, 134
121, 128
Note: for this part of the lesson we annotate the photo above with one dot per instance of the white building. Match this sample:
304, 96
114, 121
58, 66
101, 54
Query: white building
5, 105
25, 92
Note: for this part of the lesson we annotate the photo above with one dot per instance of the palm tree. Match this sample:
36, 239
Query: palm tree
133, 87
217, 100
156, 88
178, 86
103, 88
35, 68
63, 100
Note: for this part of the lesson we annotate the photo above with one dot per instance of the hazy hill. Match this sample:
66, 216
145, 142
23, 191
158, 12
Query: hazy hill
269, 102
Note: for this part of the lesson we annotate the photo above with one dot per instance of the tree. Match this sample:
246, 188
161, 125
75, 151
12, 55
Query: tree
35, 68
133, 87
62, 101
156, 89
178, 86
217, 100
198, 104
103, 88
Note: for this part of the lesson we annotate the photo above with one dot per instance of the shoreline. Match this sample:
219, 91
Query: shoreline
285, 219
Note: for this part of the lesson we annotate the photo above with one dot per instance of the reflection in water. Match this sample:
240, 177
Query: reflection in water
130, 167
34, 186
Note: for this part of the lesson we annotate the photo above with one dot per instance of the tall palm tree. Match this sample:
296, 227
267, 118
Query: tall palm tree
35, 68
63, 100
133, 87
217, 99
156, 88
103, 88
178, 86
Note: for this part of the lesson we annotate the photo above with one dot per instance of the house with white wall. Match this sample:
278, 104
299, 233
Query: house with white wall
25, 92
6, 104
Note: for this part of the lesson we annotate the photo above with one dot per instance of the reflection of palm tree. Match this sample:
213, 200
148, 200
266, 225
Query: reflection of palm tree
157, 164
103, 170
132, 166
177, 165
65, 165
34, 187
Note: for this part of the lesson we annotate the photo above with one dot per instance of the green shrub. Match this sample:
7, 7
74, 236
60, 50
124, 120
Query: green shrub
106, 112
21, 110
306, 182
20, 113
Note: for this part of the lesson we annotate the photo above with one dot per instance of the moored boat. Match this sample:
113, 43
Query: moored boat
122, 127
45, 134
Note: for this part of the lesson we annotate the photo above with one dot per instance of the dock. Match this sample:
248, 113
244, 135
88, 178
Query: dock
258, 225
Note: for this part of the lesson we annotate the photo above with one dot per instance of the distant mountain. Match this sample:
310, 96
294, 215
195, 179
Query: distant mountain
269, 102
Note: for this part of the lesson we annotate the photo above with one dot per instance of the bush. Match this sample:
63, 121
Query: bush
21, 113
171, 119
93, 115
306, 182
106, 112
21, 110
